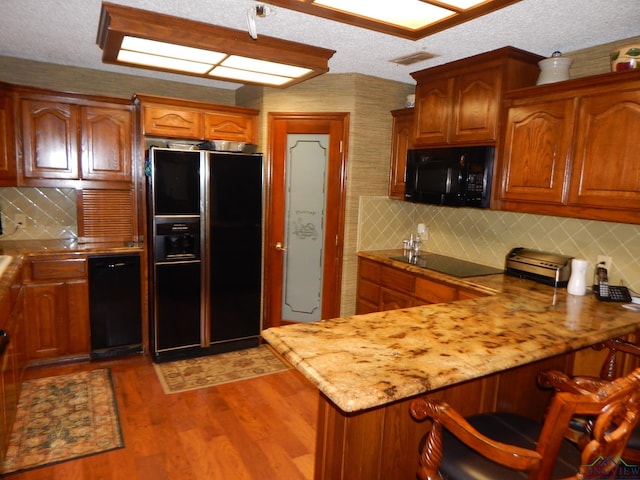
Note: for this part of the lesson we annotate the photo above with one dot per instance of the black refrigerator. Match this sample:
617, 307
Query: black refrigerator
205, 223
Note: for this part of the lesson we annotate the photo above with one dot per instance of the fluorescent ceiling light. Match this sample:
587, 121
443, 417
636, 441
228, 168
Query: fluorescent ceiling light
164, 63
171, 50
412, 19
146, 39
245, 63
248, 76
412, 14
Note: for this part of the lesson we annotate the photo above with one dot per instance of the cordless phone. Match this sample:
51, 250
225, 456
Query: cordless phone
611, 293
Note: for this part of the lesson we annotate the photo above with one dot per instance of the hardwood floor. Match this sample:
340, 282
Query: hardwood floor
262, 428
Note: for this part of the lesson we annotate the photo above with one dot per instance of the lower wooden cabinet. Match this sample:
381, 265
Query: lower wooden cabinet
383, 287
57, 307
12, 361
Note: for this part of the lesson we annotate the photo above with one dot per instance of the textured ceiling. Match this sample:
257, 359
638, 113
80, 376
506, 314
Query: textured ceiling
64, 32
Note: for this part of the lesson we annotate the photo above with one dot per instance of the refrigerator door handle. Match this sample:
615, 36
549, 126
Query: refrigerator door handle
279, 246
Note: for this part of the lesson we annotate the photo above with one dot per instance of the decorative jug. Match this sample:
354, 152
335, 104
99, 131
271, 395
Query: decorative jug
578, 280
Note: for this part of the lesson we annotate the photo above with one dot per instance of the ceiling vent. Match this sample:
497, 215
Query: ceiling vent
413, 58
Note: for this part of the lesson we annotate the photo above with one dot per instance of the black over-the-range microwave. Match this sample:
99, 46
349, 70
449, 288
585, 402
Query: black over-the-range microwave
454, 176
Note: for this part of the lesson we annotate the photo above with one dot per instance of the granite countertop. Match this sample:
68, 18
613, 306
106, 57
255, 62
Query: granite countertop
19, 249
366, 361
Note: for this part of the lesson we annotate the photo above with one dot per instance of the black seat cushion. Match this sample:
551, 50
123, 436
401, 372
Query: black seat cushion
462, 463
634, 440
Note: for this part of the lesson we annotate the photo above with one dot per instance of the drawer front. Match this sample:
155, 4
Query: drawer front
392, 300
434, 292
369, 270
397, 280
363, 307
58, 269
368, 291
467, 294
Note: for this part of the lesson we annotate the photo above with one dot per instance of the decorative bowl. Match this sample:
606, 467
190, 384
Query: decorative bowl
626, 57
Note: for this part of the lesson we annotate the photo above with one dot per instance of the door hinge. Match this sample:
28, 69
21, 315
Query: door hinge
340, 146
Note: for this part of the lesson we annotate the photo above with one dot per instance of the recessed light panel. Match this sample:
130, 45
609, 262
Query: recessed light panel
412, 14
412, 19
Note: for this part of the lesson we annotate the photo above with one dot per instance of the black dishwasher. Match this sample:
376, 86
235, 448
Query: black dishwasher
115, 305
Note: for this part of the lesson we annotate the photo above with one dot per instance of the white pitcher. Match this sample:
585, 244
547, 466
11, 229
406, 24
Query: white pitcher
578, 280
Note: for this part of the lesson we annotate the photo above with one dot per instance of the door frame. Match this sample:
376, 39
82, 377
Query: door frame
280, 124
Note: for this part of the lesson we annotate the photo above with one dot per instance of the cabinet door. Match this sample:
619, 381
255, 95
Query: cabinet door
606, 170
432, 111
535, 157
57, 308
229, 126
46, 313
50, 139
106, 141
7, 142
476, 100
401, 142
171, 122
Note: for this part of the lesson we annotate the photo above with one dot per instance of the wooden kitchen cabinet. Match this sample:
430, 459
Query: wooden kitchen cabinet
368, 296
569, 149
69, 139
536, 151
396, 289
401, 142
106, 142
57, 307
8, 172
459, 102
12, 361
185, 119
383, 287
606, 170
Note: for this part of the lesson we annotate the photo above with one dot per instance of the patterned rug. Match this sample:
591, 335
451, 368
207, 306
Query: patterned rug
62, 418
201, 372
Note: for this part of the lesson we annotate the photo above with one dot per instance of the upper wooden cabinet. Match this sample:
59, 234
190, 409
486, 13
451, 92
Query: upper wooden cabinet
459, 102
7, 139
569, 149
66, 139
537, 145
174, 118
401, 142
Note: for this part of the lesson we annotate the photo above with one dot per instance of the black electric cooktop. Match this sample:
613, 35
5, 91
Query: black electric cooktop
449, 265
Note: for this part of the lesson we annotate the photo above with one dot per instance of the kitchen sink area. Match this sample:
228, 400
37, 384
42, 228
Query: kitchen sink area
448, 265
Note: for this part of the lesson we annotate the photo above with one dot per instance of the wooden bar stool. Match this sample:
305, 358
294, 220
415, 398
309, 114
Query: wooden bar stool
507, 446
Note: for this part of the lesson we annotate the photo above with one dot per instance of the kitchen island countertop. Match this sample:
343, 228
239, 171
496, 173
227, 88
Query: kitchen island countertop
365, 361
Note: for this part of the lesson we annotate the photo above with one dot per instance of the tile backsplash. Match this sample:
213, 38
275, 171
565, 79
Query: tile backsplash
48, 212
485, 236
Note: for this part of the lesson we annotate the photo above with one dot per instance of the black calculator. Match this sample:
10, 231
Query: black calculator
611, 293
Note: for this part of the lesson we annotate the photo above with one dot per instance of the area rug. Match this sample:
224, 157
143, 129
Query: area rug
63, 418
201, 372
